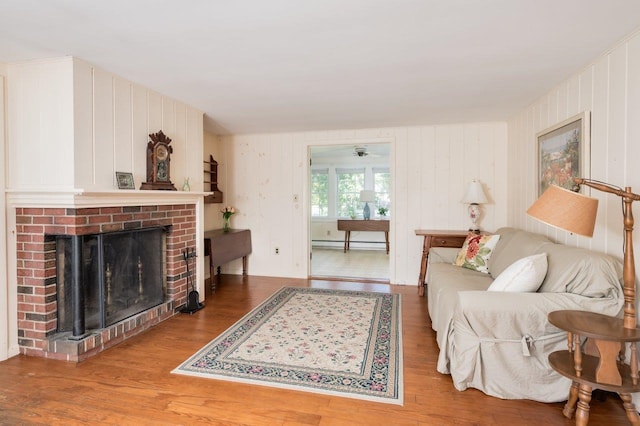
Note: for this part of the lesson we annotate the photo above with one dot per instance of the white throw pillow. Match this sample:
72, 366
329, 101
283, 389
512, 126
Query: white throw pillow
524, 275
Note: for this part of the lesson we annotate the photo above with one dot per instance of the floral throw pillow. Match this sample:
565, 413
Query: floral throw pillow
476, 251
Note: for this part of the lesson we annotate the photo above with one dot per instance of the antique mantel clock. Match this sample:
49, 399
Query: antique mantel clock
158, 163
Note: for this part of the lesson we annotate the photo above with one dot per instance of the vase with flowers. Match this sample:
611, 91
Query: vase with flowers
227, 212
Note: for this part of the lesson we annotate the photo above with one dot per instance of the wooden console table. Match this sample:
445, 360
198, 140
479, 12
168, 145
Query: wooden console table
223, 247
348, 225
601, 372
436, 238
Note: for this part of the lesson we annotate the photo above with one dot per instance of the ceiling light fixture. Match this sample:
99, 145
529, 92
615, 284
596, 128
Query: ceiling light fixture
360, 151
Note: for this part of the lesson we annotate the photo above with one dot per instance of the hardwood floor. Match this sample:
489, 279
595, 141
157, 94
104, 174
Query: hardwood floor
356, 263
131, 384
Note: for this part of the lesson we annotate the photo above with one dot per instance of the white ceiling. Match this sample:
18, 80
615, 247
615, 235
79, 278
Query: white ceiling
257, 66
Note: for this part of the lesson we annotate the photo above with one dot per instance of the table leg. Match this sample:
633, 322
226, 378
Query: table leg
386, 239
577, 355
207, 252
630, 409
570, 406
212, 277
582, 415
423, 264
215, 276
634, 362
348, 240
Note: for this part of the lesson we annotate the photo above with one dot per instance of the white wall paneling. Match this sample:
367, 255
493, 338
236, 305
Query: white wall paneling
39, 115
123, 127
154, 111
84, 158
180, 142
610, 89
103, 129
6, 327
430, 167
193, 142
139, 132
70, 127
169, 118
66, 111
212, 215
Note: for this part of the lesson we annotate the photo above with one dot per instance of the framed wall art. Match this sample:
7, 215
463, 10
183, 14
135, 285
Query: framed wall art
564, 152
125, 180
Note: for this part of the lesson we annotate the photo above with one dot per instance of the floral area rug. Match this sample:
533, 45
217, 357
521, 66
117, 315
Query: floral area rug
336, 342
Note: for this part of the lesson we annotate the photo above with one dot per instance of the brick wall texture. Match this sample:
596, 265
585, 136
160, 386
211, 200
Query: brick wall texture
36, 229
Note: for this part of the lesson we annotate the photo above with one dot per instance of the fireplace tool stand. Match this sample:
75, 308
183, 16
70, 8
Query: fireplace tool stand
193, 297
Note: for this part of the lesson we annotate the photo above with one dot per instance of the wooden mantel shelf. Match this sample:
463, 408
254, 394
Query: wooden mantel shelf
80, 198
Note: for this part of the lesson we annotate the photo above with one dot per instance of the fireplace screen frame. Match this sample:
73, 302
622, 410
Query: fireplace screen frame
84, 299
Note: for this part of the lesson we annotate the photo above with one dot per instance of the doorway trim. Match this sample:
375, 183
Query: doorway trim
392, 170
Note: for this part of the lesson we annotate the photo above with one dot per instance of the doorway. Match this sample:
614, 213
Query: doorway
342, 178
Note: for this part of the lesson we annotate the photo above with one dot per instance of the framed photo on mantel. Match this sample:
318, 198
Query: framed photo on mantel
564, 152
125, 180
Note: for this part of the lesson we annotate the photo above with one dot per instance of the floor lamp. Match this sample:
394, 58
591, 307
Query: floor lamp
576, 213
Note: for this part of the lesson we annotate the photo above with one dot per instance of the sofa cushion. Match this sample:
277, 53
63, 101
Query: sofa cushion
476, 251
445, 281
581, 271
514, 244
524, 275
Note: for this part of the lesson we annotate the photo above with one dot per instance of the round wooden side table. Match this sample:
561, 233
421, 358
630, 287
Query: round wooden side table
602, 369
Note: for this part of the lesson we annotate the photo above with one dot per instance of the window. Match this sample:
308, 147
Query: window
382, 186
320, 192
349, 184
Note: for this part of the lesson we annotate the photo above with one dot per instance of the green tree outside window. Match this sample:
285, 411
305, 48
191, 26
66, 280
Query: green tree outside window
382, 187
349, 184
320, 193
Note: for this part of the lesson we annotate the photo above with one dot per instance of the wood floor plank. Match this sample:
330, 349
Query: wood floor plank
131, 383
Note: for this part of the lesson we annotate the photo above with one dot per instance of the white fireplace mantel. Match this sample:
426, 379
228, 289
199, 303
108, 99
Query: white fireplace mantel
79, 198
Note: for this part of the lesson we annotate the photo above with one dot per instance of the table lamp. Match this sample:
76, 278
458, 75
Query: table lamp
474, 197
367, 196
576, 213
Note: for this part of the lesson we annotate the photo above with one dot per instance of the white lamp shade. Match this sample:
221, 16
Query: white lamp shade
367, 196
475, 194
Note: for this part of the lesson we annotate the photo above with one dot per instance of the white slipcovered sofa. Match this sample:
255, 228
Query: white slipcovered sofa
499, 342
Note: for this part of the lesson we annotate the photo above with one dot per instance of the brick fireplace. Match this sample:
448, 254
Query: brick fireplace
36, 231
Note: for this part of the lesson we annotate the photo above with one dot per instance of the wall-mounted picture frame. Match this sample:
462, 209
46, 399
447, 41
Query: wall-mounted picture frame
125, 180
564, 152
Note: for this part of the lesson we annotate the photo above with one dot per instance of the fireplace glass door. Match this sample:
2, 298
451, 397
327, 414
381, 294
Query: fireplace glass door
121, 274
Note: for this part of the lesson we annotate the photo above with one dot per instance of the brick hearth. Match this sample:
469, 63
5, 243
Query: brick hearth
36, 229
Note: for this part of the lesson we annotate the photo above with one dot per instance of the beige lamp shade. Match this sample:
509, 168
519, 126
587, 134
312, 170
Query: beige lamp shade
567, 210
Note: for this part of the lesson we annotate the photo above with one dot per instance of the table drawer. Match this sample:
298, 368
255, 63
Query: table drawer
450, 241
